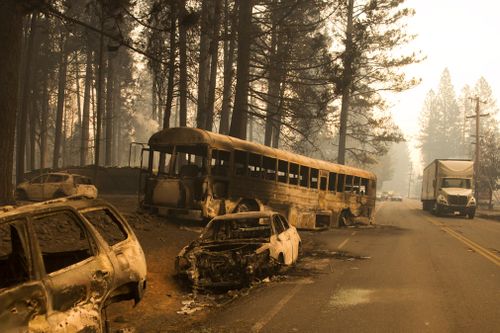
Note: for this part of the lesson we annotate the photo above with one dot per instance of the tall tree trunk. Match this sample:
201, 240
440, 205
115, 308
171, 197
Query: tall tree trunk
116, 119
99, 98
63, 63
154, 104
182, 67
229, 44
11, 26
204, 64
214, 52
346, 84
84, 144
25, 103
43, 120
240, 110
34, 115
109, 110
77, 85
171, 69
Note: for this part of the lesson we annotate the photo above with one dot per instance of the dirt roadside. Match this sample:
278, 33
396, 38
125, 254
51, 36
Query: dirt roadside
161, 240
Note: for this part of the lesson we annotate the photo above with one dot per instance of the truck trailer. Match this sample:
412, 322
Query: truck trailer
447, 188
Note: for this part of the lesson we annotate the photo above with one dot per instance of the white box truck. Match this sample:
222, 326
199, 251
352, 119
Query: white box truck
447, 188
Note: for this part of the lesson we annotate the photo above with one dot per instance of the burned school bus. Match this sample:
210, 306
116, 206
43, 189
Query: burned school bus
196, 174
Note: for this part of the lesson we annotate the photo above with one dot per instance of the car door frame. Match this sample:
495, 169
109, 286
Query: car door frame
98, 266
31, 294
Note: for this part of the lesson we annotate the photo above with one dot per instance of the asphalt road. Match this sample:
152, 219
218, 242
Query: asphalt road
411, 272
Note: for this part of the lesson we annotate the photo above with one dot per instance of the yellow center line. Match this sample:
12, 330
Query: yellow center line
473, 245
343, 243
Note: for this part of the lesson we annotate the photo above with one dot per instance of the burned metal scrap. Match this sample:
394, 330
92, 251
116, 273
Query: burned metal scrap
235, 249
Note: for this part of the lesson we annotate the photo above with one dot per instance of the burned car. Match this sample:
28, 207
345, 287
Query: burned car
234, 249
62, 262
56, 185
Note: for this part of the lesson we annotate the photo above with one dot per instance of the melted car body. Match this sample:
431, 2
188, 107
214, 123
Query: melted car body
56, 185
62, 262
236, 248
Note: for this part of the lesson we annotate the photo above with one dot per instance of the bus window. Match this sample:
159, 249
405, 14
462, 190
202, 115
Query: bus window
304, 176
355, 185
314, 178
254, 165
282, 171
240, 163
332, 181
294, 174
364, 186
190, 161
269, 168
220, 162
340, 183
348, 183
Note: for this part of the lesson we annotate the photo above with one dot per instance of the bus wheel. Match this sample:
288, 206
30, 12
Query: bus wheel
345, 219
246, 206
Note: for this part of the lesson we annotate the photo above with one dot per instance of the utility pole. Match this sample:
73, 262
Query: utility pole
409, 180
478, 116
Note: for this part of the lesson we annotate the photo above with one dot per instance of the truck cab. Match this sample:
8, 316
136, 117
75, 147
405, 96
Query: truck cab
447, 188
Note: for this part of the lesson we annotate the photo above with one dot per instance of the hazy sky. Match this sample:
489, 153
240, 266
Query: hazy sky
463, 36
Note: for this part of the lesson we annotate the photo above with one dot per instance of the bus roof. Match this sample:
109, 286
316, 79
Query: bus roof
191, 136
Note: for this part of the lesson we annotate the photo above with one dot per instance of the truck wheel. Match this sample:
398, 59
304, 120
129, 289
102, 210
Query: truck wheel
471, 213
437, 210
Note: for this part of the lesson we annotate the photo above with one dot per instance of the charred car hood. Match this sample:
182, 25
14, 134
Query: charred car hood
224, 263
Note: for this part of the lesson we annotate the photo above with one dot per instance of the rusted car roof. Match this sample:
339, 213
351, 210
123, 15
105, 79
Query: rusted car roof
188, 136
73, 202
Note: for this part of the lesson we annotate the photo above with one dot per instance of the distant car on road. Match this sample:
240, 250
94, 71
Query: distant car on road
56, 185
62, 262
397, 197
236, 248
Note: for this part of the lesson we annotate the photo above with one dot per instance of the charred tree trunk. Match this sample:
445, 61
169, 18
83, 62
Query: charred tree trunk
63, 63
204, 64
346, 84
34, 116
154, 105
99, 99
43, 121
171, 69
11, 25
182, 68
116, 119
240, 110
25, 103
109, 110
214, 52
229, 44
84, 143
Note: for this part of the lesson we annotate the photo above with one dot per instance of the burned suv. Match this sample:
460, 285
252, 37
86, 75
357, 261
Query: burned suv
236, 248
62, 262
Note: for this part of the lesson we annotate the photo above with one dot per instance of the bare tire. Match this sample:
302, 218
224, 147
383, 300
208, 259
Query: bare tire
59, 194
246, 206
20, 195
470, 215
345, 219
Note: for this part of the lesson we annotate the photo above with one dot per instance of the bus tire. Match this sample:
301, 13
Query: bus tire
345, 219
246, 206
